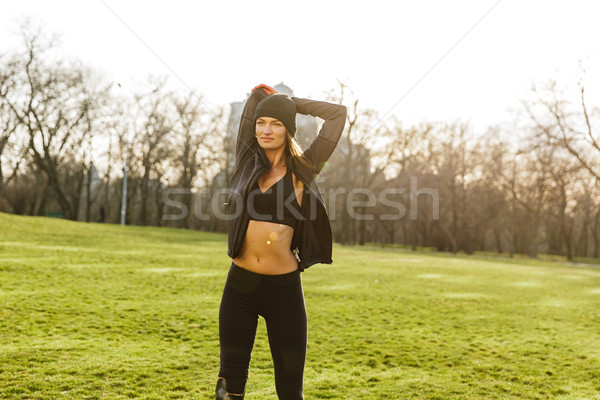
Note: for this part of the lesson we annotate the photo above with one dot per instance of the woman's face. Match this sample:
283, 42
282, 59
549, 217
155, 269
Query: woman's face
270, 133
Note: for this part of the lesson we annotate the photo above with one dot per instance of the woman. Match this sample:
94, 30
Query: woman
278, 226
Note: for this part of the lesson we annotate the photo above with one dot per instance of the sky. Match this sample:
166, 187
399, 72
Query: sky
431, 60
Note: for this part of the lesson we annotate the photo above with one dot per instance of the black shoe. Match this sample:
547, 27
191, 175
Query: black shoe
222, 394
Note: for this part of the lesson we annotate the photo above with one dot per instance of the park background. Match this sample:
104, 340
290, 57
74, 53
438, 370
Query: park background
472, 135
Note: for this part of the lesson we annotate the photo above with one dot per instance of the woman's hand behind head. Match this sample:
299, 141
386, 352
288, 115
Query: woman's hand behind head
266, 88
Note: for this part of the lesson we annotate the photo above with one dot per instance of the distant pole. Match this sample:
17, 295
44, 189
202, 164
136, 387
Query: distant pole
124, 197
125, 166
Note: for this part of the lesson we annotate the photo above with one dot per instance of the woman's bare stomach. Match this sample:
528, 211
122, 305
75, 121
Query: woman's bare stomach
266, 249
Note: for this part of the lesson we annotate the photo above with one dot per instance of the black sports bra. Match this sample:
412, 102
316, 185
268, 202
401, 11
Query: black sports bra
279, 197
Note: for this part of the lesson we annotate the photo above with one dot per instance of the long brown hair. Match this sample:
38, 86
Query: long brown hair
293, 148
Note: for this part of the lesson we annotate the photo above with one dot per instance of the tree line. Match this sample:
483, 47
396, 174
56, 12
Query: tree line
66, 131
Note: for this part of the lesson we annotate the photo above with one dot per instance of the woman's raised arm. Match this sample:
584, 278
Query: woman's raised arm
324, 144
246, 141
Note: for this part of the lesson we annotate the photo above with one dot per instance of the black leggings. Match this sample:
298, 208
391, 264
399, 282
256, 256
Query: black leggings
279, 299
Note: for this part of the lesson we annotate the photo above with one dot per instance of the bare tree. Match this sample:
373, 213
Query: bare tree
363, 154
11, 151
563, 173
496, 162
196, 131
450, 160
570, 130
55, 105
151, 145
572, 127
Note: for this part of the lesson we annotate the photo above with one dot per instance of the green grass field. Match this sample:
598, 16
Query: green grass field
90, 311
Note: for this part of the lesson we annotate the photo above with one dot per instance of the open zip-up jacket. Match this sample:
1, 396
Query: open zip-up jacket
312, 239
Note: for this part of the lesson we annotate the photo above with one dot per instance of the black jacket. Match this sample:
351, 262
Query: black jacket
312, 240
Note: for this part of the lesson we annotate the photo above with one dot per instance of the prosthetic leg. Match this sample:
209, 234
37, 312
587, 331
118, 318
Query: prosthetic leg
223, 394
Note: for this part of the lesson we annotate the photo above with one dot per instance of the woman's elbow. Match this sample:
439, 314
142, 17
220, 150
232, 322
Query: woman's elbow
342, 111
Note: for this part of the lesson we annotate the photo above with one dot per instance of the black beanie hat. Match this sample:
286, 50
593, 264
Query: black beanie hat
279, 106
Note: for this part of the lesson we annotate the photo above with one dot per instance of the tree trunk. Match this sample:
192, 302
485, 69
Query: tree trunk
595, 234
88, 194
498, 241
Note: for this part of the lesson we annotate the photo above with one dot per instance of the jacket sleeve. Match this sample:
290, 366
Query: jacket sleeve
324, 144
246, 141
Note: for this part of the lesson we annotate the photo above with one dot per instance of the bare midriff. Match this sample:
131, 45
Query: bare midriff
266, 249
266, 246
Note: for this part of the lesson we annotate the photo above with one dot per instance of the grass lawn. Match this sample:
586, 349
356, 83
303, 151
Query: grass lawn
92, 311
